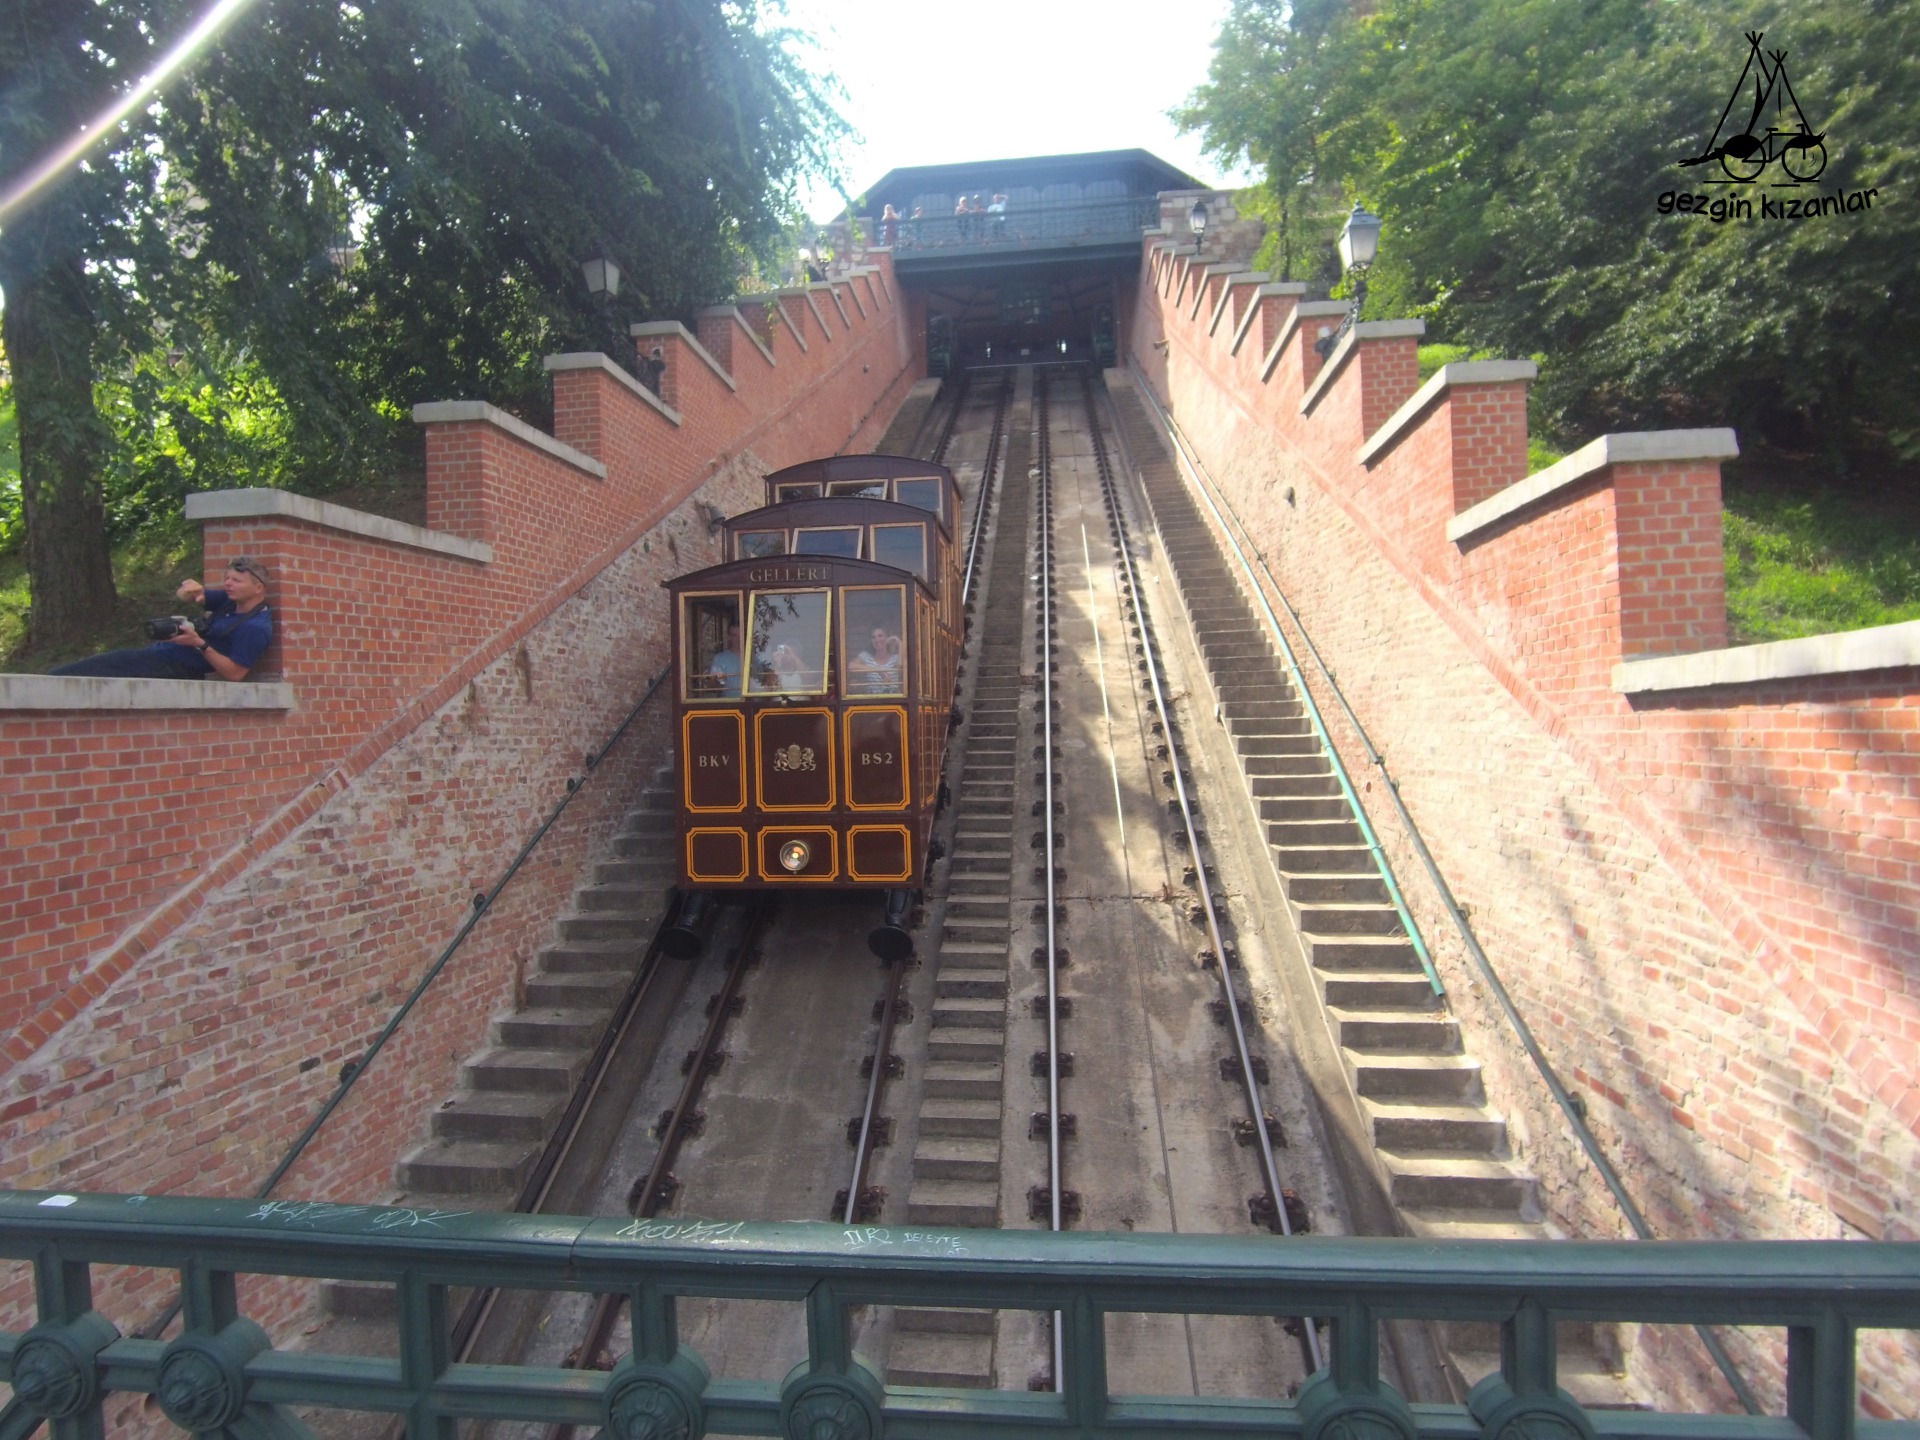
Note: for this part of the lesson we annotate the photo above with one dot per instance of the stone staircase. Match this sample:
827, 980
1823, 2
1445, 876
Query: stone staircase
487, 1136
956, 1160
1442, 1152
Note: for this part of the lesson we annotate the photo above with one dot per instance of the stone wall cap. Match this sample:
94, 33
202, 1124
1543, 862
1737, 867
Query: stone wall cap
1884, 647
263, 503
1589, 460
1305, 310
1349, 344
746, 329
447, 412
646, 329
95, 692
594, 360
1461, 372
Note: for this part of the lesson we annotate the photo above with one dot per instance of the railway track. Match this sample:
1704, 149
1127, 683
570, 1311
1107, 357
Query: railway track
977, 1139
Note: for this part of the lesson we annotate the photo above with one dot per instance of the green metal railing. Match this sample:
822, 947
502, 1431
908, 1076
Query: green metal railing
222, 1376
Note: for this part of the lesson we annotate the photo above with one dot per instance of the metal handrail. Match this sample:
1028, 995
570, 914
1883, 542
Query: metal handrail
1352, 796
1561, 1097
1822, 1293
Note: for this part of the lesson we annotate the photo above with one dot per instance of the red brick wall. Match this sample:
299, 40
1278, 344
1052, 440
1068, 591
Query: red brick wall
1706, 903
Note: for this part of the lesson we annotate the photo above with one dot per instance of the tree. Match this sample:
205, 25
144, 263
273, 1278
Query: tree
1517, 150
473, 152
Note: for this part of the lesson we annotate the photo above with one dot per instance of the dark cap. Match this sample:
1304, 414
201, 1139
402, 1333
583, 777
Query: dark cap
248, 565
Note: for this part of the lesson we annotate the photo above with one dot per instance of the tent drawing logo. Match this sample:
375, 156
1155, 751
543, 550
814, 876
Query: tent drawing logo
1776, 130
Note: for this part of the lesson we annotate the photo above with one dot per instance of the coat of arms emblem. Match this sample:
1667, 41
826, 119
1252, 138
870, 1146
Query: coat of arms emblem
794, 757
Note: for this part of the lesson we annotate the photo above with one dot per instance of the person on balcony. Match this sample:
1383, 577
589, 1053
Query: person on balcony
997, 217
890, 227
226, 645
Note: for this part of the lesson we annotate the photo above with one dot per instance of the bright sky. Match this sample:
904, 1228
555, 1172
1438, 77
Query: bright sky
932, 83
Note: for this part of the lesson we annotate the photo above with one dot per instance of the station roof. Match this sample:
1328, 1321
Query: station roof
1141, 171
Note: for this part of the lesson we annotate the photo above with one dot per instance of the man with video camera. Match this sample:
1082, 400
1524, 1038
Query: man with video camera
227, 643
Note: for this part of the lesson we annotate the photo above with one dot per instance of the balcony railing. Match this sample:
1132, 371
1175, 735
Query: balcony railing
222, 1376
1021, 227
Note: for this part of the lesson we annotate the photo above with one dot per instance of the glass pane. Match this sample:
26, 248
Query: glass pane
876, 623
901, 546
921, 494
864, 489
795, 492
710, 646
754, 544
788, 641
843, 543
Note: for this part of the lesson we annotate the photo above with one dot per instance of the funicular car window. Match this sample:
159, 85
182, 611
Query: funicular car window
902, 546
873, 639
787, 643
921, 494
858, 489
710, 646
842, 543
784, 493
757, 544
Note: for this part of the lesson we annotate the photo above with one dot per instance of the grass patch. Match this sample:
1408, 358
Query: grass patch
1809, 558
146, 571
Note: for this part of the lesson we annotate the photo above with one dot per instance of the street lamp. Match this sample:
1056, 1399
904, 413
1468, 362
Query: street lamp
1359, 243
602, 276
1197, 223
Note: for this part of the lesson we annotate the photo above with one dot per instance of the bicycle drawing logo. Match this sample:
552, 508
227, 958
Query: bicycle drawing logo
1790, 142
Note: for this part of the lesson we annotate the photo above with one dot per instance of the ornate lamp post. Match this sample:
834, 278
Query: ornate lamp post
1359, 243
1197, 223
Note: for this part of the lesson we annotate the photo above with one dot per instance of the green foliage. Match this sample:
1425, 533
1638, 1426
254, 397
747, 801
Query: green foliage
343, 209
1811, 562
1516, 150
10, 524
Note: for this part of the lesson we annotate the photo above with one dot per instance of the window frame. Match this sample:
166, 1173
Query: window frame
687, 697
747, 682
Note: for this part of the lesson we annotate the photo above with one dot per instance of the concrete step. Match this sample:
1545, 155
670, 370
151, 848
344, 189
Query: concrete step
966, 1046
1386, 1032
1361, 952
969, 1204
978, 932
465, 1166
1366, 889
981, 886
1276, 744
957, 1080
968, 969
547, 1028
947, 1361
1326, 860
1321, 784
499, 1116
593, 990
1305, 807
1426, 1129
587, 957
635, 925
975, 1118
1277, 708
924, 1319
1378, 990
970, 1012
956, 1158
502, 1068
628, 899
1458, 1182
1310, 765
1438, 1224
1324, 918
1436, 1079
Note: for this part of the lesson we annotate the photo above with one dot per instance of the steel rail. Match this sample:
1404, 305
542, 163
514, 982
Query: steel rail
650, 1194
947, 426
876, 1089
1269, 1165
1204, 484
1043, 513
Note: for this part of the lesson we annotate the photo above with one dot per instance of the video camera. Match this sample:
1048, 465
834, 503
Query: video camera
165, 627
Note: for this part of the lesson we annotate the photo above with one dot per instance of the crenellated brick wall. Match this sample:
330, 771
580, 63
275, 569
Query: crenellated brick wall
207, 909
1697, 868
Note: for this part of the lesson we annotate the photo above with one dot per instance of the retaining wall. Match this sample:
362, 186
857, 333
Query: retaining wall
216, 894
1697, 868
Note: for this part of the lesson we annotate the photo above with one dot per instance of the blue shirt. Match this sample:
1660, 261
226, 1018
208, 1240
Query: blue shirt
243, 639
